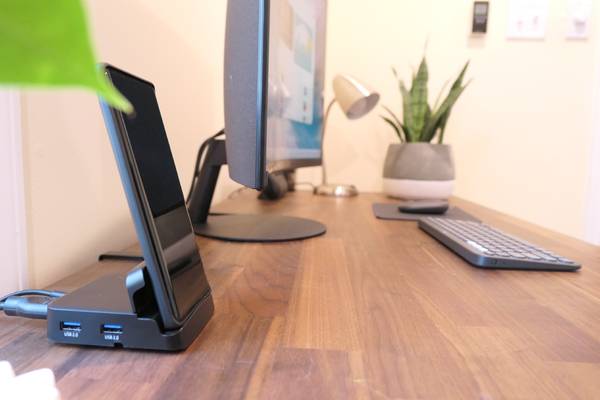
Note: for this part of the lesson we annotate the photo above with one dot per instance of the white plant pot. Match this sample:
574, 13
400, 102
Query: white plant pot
409, 189
419, 171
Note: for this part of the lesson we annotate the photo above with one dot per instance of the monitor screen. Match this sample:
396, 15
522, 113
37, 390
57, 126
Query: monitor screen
296, 83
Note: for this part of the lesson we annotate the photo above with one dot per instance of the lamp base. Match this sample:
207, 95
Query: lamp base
336, 190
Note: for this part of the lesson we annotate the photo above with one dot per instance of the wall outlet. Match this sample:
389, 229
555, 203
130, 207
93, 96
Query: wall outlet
579, 19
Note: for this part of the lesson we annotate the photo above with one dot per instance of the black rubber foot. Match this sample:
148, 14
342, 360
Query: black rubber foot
120, 256
259, 228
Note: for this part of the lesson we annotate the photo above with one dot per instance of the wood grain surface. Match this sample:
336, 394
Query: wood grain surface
372, 310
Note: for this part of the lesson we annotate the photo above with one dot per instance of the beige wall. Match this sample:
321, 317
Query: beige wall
76, 207
521, 133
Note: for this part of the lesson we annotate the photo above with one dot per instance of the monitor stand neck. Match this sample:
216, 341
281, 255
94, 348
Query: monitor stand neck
204, 189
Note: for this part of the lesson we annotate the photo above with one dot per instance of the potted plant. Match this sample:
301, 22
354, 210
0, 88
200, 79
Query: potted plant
416, 168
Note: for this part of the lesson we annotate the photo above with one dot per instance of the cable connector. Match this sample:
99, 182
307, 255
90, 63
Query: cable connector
23, 307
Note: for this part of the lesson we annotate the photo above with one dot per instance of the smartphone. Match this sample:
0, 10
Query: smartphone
155, 199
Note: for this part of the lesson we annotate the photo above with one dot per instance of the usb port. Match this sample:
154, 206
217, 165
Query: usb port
70, 326
112, 329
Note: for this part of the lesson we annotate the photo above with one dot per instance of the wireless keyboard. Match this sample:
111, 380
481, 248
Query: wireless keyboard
486, 247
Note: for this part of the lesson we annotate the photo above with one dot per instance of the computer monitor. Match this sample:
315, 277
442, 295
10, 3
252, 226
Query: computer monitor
273, 92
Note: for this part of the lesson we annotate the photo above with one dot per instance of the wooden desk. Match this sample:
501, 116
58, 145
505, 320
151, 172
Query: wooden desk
374, 309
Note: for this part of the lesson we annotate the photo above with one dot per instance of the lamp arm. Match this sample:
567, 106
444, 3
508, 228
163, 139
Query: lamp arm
325, 119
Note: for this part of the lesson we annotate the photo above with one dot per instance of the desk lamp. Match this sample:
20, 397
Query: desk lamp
356, 100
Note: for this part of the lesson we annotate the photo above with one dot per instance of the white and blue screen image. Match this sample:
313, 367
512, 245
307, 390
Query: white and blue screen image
296, 80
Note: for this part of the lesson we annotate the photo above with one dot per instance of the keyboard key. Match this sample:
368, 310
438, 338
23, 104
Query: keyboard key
517, 255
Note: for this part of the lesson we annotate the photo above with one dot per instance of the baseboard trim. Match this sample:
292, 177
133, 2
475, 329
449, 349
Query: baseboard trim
11, 150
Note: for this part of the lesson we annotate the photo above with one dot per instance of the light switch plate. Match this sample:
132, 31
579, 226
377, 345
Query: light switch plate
527, 19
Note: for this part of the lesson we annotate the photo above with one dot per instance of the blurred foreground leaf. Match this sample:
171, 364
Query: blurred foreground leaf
46, 43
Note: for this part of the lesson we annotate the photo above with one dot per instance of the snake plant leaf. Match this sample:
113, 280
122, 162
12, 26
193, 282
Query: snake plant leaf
394, 117
459, 79
434, 123
439, 97
418, 100
397, 123
444, 120
461, 76
442, 127
428, 113
407, 132
394, 126
407, 112
457, 84
47, 44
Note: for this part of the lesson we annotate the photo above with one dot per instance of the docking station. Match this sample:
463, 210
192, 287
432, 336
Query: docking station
121, 311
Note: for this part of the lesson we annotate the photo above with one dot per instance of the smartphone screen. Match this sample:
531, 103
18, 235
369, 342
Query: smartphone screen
177, 253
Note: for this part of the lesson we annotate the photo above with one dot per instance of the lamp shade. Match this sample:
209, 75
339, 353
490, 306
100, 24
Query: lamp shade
355, 99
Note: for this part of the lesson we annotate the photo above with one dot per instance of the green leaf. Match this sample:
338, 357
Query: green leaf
444, 120
419, 99
439, 97
407, 133
445, 108
442, 127
396, 122
395, 118
394, 126
457, 84
459, 80
407, 112
46, 44
446, 115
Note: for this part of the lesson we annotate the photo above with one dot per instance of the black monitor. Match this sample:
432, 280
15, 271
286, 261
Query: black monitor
273, 92
274, 84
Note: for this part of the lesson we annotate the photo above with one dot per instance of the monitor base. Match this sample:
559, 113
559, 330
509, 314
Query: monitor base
121, 256
336, 190
265, 228
245, 228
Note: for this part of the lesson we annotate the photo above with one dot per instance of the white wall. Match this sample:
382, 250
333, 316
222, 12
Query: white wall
76, 207
593, 193
521, 133
592, 224
13, 237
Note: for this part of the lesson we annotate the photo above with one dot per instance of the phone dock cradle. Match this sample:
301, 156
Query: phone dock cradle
120, 311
